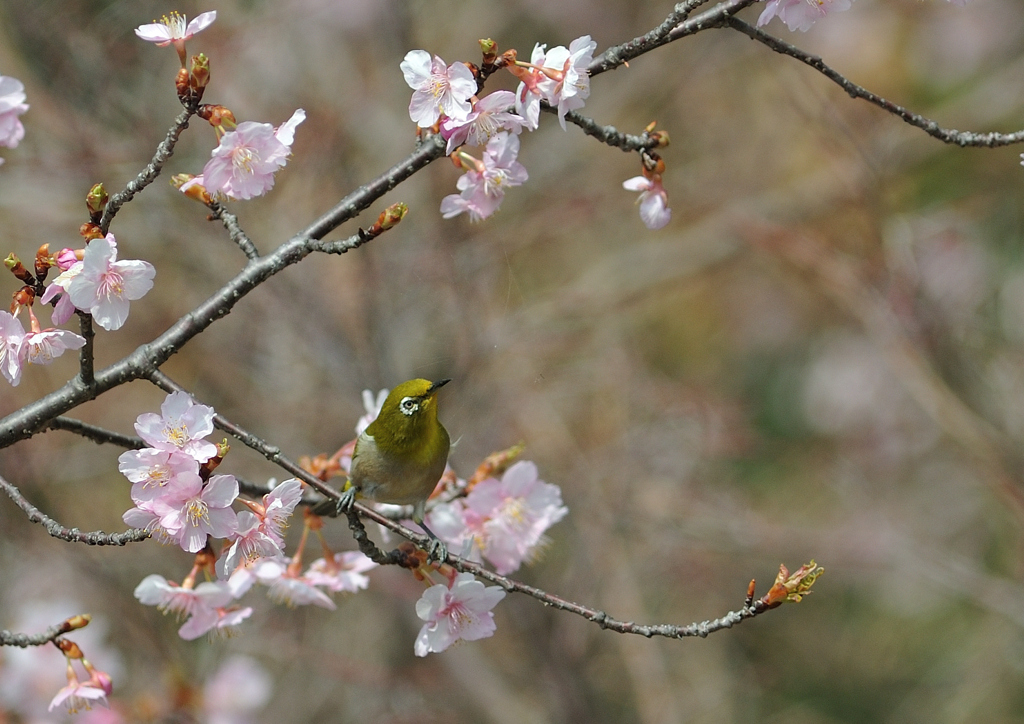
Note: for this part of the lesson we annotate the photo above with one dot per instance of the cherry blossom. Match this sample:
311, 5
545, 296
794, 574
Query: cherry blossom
531, 88
483, 187
244, 164
203, 512
801, 14
215, 620
654, 210
58, 288
489, 117
151, 470
173, 29
12, 334
343, 573
289, 588
104, 286
43, 347
277, 506
437, 89
12, 105
200, 604
78, 695
248, 543
462, 611
181, 426
568, 84
238, 689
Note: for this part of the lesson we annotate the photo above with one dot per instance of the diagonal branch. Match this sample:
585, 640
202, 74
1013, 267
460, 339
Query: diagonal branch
71, 535
97, 434
960, 138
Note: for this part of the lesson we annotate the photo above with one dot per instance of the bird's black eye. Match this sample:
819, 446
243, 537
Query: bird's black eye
409, 405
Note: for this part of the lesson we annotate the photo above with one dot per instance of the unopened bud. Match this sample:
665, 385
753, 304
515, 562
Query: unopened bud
22, 298
96, 201
200, 75
217, 116
489, 49
192, 187
70, 649
43, 261
661, 137
392, 215
76, 622
14, 265
90, 231
181, 84
210, 465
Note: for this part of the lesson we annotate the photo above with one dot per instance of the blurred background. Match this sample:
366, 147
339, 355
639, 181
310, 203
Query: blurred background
821, 356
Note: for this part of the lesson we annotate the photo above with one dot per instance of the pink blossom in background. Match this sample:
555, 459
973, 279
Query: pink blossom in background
654, 210
569, 92
78, 695
489, 117
43, 347
343, 573
213, 620
437, 89
460, 612
801, 14
12, 105
181, 426
372, 406
12, 334
174, 28
104, 286
289, 588
244, 163
236, 691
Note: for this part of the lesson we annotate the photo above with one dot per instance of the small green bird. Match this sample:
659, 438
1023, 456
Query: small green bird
402, 454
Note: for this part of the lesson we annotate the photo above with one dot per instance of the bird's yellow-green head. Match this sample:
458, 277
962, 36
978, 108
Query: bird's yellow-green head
407, 423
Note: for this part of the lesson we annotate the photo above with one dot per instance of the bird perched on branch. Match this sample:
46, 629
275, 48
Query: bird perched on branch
401, 455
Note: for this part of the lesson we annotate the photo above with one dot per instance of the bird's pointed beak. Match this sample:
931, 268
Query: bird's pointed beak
435, 386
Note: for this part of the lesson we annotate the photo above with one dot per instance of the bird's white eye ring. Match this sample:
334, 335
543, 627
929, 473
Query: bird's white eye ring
408, 405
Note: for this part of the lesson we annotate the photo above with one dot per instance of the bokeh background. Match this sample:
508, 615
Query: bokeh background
822, 356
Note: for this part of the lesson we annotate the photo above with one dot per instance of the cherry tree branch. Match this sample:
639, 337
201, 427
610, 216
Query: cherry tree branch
238, 236
960, 138
71, 535
85, 355
24, 641
149, 174
97, 434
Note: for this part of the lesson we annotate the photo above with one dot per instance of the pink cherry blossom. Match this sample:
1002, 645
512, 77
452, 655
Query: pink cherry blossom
437, 89
148, 516
236, 691
489, 116
248, 543
289, 588
568, 84
278, 505
173, 28
244, 164
460, 612
343, 573
151, 470
12, 334
181, 426
12, 105
215, 620
105, 286
512, 515
205, 512
654, 210
483, 187
200, 604
43, 347
78, 695
801, 14
59, 286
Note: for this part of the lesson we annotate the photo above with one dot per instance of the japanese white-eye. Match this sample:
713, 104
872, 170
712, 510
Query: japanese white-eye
402, 454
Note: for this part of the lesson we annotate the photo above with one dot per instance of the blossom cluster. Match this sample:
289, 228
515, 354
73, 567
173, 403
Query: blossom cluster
12, 105
802, 14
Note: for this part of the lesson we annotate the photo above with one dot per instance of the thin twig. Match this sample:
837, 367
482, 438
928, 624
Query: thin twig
270, 452
95, 433
85, 355
71, 535
11, 638
150, 172
609, 135
235, 230
960, 138
396, 557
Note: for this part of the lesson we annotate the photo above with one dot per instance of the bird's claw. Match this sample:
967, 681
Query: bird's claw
345, 501
437, 550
